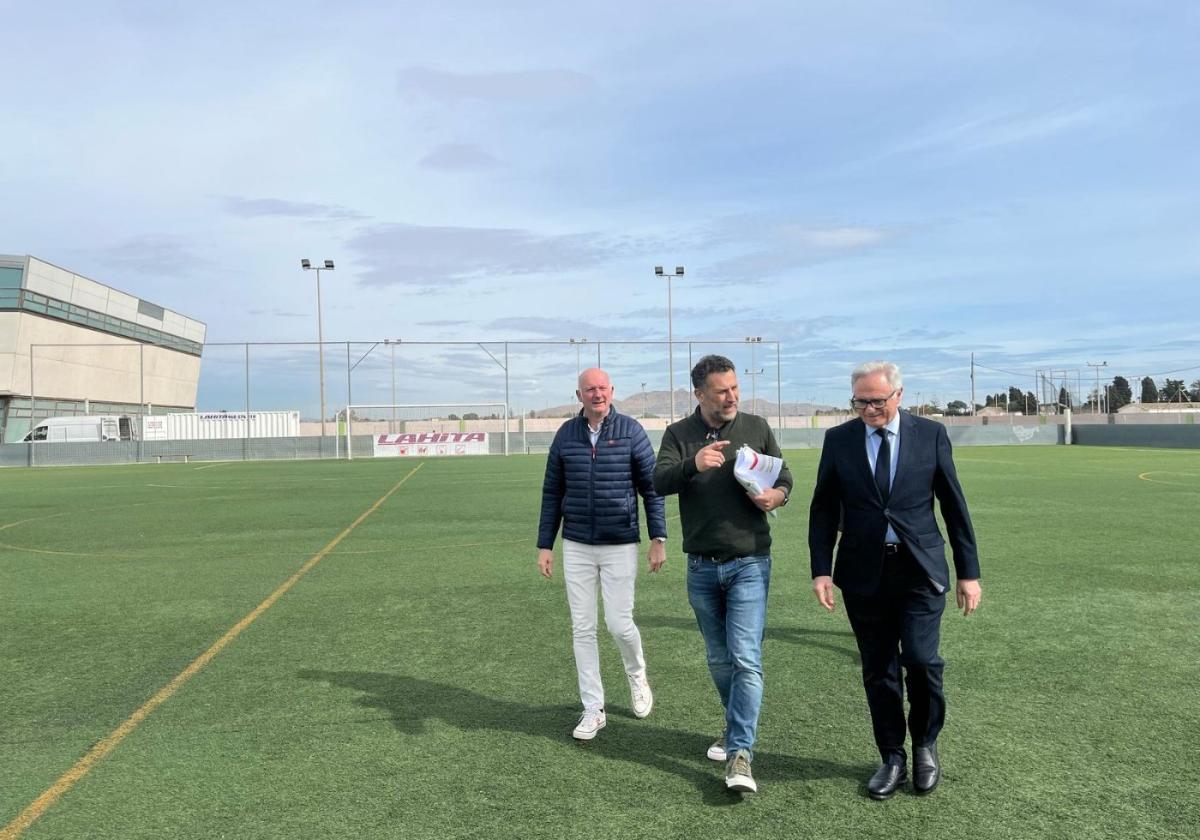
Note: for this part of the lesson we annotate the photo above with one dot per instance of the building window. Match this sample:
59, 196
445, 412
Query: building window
155, 311
10, 278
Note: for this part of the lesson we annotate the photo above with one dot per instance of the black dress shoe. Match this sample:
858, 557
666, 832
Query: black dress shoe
886, 781
927, 771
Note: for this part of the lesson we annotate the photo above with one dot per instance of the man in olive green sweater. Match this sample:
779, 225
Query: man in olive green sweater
728, 545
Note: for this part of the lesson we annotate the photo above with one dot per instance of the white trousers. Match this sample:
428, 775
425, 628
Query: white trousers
610, 570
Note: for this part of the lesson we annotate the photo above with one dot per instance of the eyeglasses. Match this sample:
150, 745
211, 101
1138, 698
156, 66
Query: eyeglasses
712, 434
878, 403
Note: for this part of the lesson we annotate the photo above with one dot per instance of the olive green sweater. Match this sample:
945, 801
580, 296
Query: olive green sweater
717, 515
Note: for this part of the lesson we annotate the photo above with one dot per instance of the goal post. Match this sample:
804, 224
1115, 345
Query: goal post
423, 430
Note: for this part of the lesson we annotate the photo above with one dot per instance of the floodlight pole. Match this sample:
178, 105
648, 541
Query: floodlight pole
658, 272
1096, 404
392, 343
752, 371
328, 266
972, 384
779, 390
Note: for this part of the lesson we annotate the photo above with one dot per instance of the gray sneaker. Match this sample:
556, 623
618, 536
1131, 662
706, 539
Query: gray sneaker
737, 773
716, 752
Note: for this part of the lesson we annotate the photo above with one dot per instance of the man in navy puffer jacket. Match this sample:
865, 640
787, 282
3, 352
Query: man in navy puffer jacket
599, 463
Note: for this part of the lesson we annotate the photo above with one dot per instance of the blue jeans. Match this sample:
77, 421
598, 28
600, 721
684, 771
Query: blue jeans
730, 602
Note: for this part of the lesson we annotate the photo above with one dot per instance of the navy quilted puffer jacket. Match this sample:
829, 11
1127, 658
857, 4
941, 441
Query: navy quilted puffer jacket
593, 494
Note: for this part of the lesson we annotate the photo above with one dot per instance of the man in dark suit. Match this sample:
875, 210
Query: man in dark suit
877, 480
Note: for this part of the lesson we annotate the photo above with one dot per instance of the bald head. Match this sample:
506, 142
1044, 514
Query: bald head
593, 374
595, 393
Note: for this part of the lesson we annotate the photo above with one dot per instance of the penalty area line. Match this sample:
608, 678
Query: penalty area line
110, 742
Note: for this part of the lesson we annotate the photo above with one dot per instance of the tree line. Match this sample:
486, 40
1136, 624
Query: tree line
1117, 394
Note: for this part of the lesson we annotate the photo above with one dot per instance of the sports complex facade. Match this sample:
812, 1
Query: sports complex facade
70, 345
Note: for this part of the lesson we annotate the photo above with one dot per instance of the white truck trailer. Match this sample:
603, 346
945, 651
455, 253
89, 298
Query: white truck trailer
221, 425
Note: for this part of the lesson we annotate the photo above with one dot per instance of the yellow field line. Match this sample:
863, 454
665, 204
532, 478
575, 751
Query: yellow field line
439, 546
97, 753
1146, 477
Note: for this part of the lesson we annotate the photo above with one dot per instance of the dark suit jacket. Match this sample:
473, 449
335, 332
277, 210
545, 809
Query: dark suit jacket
846, 493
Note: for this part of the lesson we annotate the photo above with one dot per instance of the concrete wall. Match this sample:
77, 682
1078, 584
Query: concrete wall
95, 373
1185, 436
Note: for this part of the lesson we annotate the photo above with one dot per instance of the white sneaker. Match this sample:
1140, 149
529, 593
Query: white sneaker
640, 696
717, 751
737, 773
590, 722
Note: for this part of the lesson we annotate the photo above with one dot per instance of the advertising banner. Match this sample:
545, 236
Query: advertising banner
431, 444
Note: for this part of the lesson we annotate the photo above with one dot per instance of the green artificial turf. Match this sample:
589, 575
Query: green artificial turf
418, 681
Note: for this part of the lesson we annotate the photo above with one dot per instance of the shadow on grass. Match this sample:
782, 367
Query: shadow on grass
792, 635
410, 702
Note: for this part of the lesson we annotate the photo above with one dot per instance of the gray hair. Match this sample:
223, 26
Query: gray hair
888, 369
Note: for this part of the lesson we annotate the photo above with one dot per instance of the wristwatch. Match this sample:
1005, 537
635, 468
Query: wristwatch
786, 495
659, 539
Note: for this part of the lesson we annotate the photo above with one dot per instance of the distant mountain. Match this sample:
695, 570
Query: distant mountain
658, 404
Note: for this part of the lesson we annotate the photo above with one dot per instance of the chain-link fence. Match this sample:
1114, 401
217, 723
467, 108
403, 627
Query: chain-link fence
536, 380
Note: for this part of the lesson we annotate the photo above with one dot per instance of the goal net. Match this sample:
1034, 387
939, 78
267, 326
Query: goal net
423, 431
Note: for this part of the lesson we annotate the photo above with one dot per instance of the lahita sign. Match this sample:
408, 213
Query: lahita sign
426, 444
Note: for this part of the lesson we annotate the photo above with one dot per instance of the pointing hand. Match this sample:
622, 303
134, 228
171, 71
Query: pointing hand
711, 456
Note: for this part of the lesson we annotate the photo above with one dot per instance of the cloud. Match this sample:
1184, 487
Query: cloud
564, 329
773, 250
791, 331
277, 207
442, 323
416, 255
458, 157
154, 254
551, 328
277, 313
1178, 344
655, 313
925, 334
530, 84
996, 130
831, 239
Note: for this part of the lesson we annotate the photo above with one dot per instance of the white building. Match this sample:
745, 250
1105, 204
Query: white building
70, 345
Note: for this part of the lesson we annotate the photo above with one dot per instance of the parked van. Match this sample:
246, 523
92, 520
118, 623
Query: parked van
83, 428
